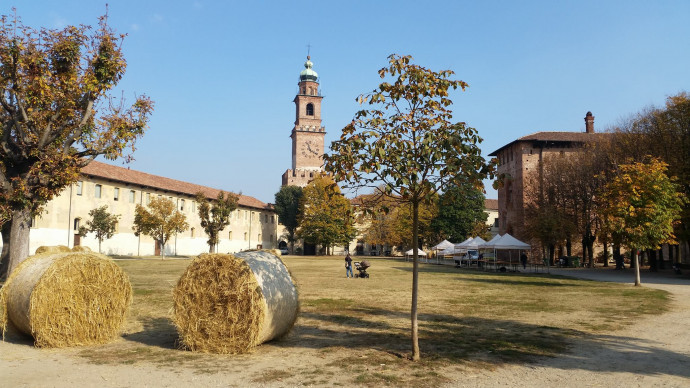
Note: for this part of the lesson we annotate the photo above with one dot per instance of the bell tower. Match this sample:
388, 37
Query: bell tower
308, 136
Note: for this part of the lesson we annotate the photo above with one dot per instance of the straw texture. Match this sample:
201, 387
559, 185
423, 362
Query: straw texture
231, 303
67, 299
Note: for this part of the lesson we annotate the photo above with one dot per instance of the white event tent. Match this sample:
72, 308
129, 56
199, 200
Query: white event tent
505, 242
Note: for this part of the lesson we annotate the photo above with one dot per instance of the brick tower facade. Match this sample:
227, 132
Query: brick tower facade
308, 136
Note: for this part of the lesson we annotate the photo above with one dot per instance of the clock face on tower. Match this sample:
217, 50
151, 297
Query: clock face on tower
310, 149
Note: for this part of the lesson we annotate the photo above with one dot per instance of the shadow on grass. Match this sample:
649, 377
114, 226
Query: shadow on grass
520, 278
447, 338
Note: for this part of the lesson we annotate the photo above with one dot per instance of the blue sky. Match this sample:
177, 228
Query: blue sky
223, 73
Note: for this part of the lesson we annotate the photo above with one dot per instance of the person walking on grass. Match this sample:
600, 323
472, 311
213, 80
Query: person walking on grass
523, 260
348, 266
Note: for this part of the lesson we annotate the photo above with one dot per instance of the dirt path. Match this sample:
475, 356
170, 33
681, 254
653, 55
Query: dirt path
654, 352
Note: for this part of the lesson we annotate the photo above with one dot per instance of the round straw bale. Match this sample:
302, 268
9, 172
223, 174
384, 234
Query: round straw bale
67, 299
52, 249
231, 303
81, 248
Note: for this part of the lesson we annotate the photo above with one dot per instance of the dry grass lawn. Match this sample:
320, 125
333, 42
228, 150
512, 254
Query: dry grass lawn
356, 331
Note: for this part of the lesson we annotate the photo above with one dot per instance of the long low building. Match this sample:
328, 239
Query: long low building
253, 224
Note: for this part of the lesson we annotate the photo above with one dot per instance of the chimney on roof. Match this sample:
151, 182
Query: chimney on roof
589, 123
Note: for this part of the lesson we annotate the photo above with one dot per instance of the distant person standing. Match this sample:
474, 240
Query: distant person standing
523, 260
348, 266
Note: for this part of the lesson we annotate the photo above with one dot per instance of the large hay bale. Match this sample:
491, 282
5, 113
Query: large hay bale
231, 303
81, 248
67, 299
52, 249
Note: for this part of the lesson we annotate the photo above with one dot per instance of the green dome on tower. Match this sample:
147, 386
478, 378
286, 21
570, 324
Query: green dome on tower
308, 74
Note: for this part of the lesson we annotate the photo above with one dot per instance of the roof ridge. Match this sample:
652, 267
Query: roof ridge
126, 175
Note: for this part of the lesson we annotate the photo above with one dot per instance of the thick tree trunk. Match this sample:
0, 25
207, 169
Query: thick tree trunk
606, 253
651, 254
19, 237
415, 280
620, 263
5, 255
568, 247
661, 258
634, 259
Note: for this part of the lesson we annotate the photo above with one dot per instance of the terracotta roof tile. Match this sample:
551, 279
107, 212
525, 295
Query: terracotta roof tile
125, 175
491, 204
566, 137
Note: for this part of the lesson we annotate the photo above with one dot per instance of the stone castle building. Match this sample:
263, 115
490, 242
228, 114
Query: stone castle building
308, 135
252, 225
519, 158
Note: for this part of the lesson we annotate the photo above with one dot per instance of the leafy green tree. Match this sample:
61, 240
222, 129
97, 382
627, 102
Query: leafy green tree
215, 215
287, 207
407, 144
402, 228
325, 216
56, 114
642, 204
102, 224
160, 221
460, 209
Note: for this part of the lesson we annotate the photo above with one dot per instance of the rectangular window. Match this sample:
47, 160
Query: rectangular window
273, 219
97, 192
496, 222
193, 206
245, 236
116, 194
80, 185
230, 235
76, 223
132, 195
182, 205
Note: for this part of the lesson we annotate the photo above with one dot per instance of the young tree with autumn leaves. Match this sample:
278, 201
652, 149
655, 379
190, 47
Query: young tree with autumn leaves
56, 114
102, 224
641, 205
160, 221
215, 215
407, 146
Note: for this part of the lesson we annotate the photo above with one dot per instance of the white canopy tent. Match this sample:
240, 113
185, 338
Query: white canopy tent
445, 247
505, 242
420, 254
445, 244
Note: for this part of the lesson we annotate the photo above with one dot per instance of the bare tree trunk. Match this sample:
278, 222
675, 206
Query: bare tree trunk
634, 259
415, 280
99, 245
19, 237
651, 254
568, 247
606, 253
5, 255
661, 258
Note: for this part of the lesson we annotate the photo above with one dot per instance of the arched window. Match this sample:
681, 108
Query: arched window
310, 109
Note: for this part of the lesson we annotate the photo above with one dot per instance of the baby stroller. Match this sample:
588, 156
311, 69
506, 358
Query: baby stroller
361, 267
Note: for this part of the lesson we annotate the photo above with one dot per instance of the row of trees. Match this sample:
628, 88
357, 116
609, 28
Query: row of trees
627, 188
318, 214
160, 220
455, 214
